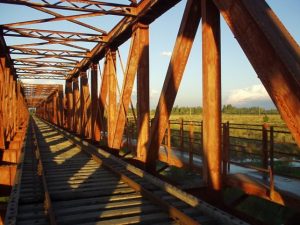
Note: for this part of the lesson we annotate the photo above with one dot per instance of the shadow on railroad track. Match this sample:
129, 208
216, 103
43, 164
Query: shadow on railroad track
82, 191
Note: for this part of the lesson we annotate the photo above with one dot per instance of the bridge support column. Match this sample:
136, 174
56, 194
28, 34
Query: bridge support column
69, 104
112, 97
54, 108
95, 120
103, 97
76, 106
60, 106
2, 94
143, 114
211, 64
85, 106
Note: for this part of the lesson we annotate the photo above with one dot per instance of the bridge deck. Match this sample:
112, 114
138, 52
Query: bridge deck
83, 189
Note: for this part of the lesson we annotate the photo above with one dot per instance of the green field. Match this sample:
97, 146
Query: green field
245, 139
274, 120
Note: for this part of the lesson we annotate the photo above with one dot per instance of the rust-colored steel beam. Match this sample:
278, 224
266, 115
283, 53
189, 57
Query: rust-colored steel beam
145, 12
143, 104
2, 88
137, 46
95, 126
35, 93
55, 40
211, 66
54, 108
271, 50
181, 51
112, 97
115, 9
28, 76
55, 14
84, 105
76, 106
34, 71
103, 95
69, 104
57, 18
60, 102
46, 32
4, 55
38, 50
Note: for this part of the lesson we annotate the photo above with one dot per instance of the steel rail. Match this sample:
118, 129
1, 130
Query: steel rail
12, 207
47, 199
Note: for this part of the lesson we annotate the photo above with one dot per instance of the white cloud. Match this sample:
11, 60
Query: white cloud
154, 93
248, 95
166, 53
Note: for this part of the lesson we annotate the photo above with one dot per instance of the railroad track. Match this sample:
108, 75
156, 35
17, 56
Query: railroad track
64, 180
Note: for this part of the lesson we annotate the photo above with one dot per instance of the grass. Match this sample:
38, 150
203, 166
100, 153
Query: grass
4, 199
235, 118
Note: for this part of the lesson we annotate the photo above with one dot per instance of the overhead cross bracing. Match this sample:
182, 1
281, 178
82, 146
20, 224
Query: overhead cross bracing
56, 54
35, 94
61, 54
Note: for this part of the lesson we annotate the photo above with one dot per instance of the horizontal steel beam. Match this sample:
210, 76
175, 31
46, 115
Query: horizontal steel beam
117, 9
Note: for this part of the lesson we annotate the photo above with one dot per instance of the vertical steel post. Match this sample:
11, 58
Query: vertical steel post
225, 151
76, 106
60, 106
95, 126
265, 148
143, 108
211, 63
169, 147
181, 134
69, 104
54, 108
84, 105
103, 97
112, 96
191, 143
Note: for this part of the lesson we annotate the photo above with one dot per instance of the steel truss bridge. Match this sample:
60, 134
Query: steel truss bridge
50, 180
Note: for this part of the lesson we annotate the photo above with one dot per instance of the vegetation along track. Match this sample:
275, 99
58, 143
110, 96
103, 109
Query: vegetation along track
64, 180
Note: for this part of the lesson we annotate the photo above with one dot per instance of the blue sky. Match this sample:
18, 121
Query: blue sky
240, 85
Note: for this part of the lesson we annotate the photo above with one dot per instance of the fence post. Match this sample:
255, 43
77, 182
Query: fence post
226, 162
202, 137
181, 134
271, 167
169, 141
127, 134
271, 157
228, 144
130, 137
191, 142
265, 148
